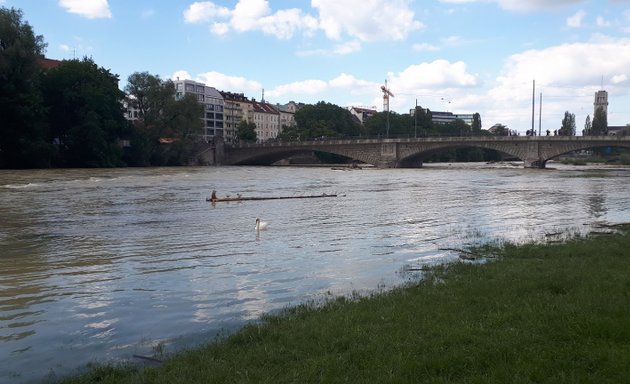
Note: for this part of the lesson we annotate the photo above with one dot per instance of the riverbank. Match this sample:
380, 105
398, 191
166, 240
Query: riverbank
556, 313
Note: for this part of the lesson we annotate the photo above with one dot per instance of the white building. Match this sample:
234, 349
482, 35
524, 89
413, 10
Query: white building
212, 101
267, 120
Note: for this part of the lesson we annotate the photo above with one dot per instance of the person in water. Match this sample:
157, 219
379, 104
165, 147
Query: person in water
213, 198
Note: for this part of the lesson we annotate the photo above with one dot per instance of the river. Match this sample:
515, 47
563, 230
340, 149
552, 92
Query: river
98, 265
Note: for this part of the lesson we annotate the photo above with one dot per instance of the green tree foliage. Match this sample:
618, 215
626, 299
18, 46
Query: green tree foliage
23, 128
423, 123
476, 125
85, 114
600, 123
568, 125
400, 125
326, 119
151, 95
588, 126
246, 131
182, 118
162, 115
455, 128
289, 133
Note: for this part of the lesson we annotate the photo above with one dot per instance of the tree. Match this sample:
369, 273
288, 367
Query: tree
289, 133
246, 131
588, 126
568, 125
476, 124
182, 118
162, 115
23, 128
326, 119
600, 122
400, 125
151, 95
85, 113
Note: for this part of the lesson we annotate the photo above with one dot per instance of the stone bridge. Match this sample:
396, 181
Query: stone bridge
535, 151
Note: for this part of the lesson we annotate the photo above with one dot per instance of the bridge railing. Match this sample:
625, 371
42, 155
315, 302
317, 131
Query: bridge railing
432, 139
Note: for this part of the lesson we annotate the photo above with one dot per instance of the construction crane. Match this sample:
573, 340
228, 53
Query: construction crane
386, 95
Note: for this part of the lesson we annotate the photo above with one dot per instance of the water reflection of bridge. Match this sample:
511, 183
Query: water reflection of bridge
535, 151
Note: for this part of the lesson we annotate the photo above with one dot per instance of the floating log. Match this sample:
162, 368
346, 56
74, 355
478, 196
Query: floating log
214, 199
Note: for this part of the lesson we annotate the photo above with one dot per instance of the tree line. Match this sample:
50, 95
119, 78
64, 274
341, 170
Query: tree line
73, 114
597, 127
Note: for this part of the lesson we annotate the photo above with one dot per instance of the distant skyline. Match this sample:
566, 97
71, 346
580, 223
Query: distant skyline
462, 56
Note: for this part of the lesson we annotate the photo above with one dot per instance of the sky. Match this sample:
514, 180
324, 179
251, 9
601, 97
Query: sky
460, 56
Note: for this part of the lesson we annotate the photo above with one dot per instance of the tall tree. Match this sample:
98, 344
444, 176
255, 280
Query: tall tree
476, 124
162, 115
568, 125
86, 116
588, 126
182, 118
151, 95
23, 128
600, 122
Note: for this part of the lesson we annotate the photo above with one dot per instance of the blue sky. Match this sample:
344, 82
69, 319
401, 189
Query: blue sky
462, 56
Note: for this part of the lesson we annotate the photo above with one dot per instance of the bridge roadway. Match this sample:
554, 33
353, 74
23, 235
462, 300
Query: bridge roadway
535, 151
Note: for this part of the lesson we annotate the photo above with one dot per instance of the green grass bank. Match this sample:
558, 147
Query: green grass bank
556, 313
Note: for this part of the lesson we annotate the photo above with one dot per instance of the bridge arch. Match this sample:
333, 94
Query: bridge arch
388, 153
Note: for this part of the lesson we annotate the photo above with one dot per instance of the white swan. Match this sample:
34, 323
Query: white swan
260, 225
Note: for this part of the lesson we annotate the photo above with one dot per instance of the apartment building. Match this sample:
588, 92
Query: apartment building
287, 113
267, 120
212, 100
237, 108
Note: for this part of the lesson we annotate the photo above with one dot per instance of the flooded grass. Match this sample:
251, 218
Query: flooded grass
543, 313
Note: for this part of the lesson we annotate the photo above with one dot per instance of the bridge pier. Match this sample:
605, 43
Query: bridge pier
536, 163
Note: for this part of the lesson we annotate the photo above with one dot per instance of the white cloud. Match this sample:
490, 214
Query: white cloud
358, 20
568, 84
181, 75
251, 15
425, 47
521, 5
601, 22
305, 87
575, 21
375, 20
534, 5
435, 75
220, 29
230, 83
347, 48
204, 11
92, 9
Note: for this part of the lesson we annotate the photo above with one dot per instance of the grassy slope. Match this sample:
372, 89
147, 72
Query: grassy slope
555, 313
